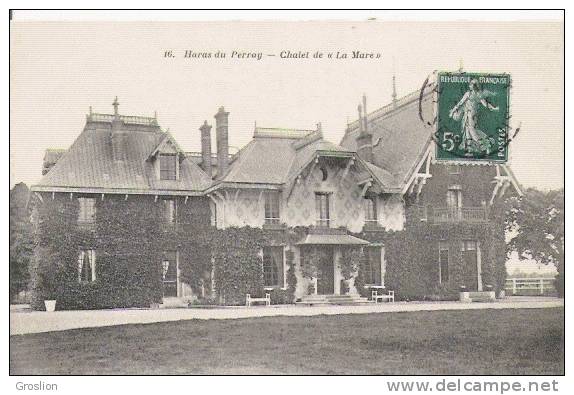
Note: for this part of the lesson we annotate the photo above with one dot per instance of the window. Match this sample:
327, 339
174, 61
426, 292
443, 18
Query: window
324, 174
272, 266
169, 273
470, 263
371, 210
87, 212
454, 197
468, 245
443, 262
322, 209
170, 211
168, 167
213, 207
372, 265
87, 266
272, 201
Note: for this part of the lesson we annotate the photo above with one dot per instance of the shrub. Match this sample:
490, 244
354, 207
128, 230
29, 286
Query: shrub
47, 273
350, 261
291, 276
281, 296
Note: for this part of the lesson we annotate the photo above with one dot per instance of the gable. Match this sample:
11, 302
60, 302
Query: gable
89, 164
400, 137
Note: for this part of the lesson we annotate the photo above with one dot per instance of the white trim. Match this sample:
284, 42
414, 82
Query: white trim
346, 171
114, 191
427, 157
512, 179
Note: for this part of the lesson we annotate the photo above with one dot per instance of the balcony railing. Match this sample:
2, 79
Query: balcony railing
131, 119
451, 214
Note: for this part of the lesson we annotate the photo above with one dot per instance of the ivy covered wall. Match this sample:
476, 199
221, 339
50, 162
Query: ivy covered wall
129, 239
412, 257
475, 183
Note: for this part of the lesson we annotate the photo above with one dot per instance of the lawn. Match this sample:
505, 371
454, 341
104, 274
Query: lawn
500, 342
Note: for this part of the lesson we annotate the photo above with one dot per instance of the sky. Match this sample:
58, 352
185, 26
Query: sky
59, 69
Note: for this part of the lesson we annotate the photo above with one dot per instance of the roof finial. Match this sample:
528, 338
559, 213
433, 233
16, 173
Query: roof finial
361, 124
155, 115
460, 65
90, 110
116, 105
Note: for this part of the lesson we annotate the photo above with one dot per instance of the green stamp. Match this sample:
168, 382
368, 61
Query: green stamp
472, 117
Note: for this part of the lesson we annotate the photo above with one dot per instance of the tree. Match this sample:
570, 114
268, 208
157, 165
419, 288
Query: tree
536, 221
21, 244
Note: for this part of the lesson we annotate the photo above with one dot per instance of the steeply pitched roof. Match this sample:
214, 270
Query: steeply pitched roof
51, 156
89, 163
400, 137
277, 156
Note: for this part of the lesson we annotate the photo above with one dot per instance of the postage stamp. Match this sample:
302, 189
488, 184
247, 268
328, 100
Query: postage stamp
473, 111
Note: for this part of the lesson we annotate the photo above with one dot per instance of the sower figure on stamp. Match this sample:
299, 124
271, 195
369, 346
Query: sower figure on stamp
473, 139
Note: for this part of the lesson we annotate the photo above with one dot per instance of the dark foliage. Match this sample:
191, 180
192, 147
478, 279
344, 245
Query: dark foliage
538, 221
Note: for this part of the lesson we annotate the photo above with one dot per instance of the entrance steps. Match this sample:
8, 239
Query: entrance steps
478, 296
313, 300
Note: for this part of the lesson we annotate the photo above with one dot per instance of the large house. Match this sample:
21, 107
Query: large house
131, 217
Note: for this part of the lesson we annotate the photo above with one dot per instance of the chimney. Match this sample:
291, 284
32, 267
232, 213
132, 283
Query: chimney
365, 137
221, 132
206, 148
118, 145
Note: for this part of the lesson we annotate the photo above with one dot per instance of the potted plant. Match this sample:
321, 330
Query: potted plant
47, 272
50, 287
311, 288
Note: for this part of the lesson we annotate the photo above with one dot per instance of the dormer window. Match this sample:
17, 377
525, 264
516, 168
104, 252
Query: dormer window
168, 167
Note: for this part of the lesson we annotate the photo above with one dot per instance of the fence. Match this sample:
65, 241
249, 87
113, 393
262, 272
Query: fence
530, 286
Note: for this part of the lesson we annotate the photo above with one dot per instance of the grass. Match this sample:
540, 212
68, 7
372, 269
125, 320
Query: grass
500, 342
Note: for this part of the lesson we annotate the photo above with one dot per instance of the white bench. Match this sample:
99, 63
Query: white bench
390, 297
266, 300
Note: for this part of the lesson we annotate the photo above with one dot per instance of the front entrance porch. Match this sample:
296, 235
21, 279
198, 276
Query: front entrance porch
321, 257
